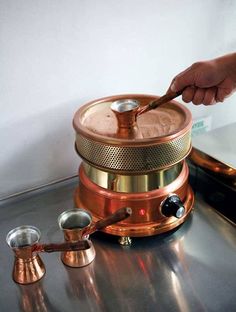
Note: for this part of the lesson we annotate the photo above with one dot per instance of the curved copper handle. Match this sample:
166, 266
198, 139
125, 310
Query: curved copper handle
156, 103
67, 246
210, 163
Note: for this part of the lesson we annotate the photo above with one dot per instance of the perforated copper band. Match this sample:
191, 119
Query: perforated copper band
133, 158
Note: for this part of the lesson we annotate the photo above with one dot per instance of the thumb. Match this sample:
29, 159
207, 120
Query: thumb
182, 80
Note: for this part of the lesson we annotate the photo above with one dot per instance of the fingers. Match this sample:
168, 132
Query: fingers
185, 78
224, 89
203, 83
199, 95
188, 94
202, 75
210, 96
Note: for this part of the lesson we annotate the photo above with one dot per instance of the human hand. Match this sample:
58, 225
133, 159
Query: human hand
207, 82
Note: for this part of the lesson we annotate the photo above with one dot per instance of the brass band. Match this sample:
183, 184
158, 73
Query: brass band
132, 183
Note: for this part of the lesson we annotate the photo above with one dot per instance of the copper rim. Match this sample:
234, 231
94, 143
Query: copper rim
145, 99
207, 162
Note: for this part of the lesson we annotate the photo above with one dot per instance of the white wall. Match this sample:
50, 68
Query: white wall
56, 55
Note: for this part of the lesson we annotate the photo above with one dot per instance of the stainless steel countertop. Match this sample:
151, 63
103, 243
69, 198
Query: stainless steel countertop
190, 269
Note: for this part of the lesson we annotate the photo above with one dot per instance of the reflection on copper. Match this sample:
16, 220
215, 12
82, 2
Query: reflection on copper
180, 298
160, 261
82, 285
34, 298
146, 260
119, 282
180, 276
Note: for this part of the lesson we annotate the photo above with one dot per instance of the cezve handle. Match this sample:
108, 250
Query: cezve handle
67, 246
119, 215
162, 100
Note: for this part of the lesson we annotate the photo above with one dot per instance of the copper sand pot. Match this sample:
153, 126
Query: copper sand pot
134, 156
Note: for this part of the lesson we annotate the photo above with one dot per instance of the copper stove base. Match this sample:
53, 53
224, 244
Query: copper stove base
147, 229
147, 218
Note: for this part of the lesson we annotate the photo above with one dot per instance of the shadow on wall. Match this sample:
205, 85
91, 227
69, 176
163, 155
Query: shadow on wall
38, 149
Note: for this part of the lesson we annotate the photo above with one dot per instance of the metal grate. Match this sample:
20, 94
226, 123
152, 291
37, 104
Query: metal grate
134, 159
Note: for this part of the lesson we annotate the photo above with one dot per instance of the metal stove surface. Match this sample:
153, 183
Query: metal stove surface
216, 190
189, 269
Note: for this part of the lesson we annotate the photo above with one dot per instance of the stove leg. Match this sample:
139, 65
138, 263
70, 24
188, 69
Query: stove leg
125, 241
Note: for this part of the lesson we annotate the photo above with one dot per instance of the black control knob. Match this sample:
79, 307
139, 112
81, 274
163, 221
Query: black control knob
173, 206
